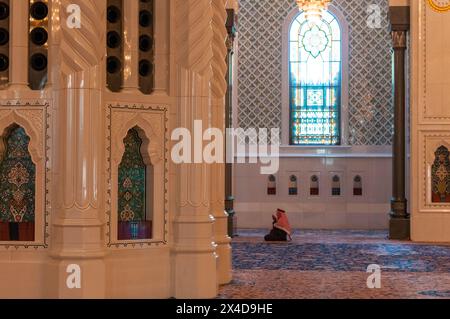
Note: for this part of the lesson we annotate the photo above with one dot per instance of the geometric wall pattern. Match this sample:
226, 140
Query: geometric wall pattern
370, 76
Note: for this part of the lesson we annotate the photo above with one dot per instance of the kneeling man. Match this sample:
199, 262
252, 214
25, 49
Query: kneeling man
281, 230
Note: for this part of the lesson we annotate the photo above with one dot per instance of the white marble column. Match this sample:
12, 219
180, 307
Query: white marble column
218, 90
78, 212
195, 272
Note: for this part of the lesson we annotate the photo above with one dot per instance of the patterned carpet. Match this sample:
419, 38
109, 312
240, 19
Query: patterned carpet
333, 264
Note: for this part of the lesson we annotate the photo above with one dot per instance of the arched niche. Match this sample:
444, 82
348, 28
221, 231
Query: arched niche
314, 186
27, 200
336, 185
357, 186
440, 176
293, 185
271, 185
151, 150
135, 185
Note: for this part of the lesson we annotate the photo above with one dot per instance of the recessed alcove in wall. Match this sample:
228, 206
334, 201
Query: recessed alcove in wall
17, 186
314, 185
293, 185
135, 184
440, 176
137, 176
436, 154
357, 186
271, 185
23, 175
336, 185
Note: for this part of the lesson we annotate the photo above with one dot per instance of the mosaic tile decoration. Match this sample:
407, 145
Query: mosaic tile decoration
17, 179
260, 64
132, 180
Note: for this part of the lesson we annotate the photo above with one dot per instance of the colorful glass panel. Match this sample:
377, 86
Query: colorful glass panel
315, 80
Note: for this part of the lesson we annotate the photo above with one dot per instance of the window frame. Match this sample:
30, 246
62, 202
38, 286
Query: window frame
286, 91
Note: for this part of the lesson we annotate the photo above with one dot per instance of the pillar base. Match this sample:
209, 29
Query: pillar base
400, 228
232, 220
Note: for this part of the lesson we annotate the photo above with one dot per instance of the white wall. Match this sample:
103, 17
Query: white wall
370, 211
430, 117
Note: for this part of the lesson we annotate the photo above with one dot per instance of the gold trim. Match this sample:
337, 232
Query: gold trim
438, 8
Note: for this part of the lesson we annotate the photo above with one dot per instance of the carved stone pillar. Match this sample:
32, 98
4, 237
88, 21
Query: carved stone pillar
78, 212
194, 250
399, 224
218, 90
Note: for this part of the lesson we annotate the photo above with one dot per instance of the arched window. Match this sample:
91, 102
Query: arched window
314, 186
315, 71
357, 186
336, 186
17, 187
271, 185
135, 183
293, 187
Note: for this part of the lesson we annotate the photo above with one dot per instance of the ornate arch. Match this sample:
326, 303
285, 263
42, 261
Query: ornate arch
35, 146
32, 117
151, 136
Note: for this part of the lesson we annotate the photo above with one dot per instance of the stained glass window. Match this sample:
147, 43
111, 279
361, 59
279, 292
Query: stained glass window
315, 80
17, 187
132, 195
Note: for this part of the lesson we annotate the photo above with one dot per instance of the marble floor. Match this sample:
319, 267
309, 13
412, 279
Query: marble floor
333, 264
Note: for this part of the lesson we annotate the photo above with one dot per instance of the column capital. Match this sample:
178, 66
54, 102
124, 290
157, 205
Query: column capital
399, 40
231, 28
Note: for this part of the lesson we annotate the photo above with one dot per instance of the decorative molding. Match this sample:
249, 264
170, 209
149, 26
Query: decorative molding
35, 117
219, 48
120, 118
82, 49
425, 118
193, 34
399, 40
